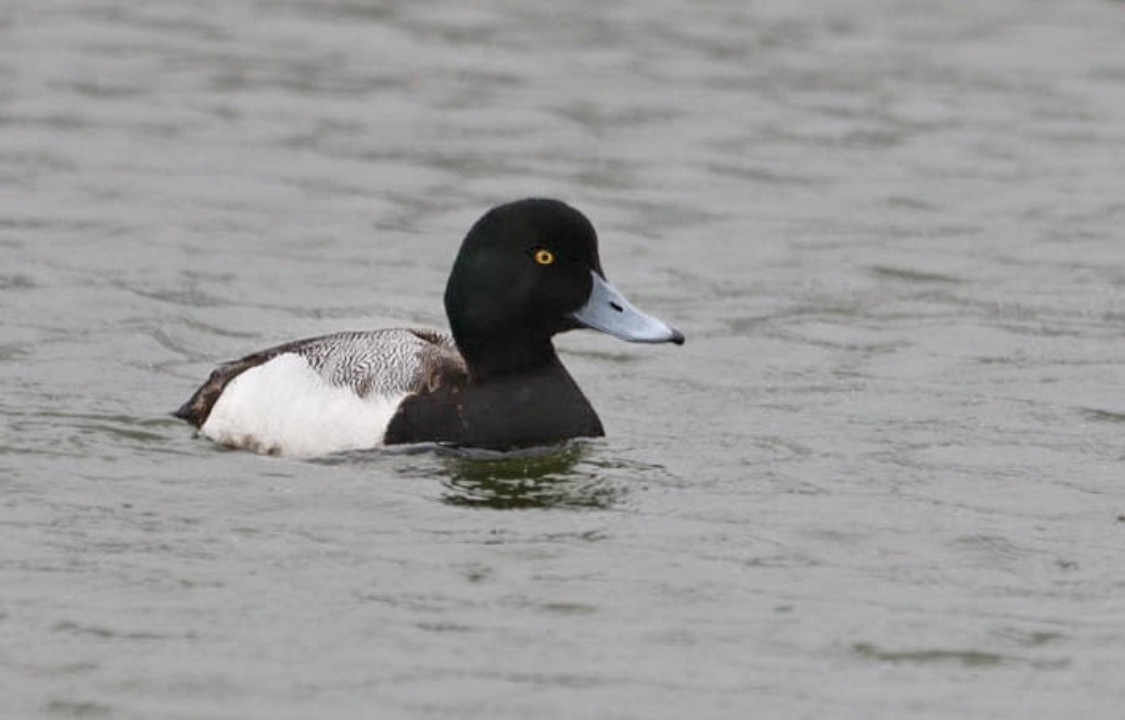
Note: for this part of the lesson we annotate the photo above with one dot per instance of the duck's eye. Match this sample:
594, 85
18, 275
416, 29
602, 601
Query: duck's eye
544, 256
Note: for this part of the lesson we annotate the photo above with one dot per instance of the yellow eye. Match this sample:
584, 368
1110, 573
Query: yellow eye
544, 257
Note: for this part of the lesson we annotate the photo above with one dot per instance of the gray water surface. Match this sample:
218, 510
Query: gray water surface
883, 479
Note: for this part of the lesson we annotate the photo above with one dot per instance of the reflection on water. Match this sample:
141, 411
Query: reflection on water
537, 478
577, 474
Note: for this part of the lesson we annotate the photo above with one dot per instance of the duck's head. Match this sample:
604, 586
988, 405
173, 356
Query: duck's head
530, 269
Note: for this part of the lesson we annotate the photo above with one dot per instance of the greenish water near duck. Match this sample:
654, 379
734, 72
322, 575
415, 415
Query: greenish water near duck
883, 478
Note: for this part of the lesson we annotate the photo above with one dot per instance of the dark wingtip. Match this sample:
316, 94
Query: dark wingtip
186, 413
677, 337
198, 407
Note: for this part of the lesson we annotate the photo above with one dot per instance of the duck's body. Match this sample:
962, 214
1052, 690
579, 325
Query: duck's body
526, 271
324, 394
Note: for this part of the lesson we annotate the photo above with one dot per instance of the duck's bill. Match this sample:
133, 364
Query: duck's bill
607, 310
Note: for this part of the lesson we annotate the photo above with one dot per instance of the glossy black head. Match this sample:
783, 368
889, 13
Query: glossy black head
528, 270
523, 268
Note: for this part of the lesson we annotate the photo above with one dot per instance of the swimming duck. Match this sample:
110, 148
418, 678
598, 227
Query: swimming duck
526, 271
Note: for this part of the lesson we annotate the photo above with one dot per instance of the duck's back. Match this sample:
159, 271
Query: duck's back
324, 394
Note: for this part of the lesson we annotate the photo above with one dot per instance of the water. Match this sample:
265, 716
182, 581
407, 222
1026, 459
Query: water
883, 479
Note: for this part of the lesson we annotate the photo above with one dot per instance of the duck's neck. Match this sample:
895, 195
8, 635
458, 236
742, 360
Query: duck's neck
511, 354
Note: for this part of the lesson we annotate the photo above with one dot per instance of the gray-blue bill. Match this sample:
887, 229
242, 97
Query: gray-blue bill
607, 310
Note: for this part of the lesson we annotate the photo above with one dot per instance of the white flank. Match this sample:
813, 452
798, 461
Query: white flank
283, 407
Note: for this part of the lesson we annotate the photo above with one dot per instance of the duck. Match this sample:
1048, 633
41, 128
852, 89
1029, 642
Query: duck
526, 271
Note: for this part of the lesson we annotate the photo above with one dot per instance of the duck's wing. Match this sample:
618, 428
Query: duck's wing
375, 363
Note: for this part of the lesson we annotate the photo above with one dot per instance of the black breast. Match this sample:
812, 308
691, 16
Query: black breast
523, 410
